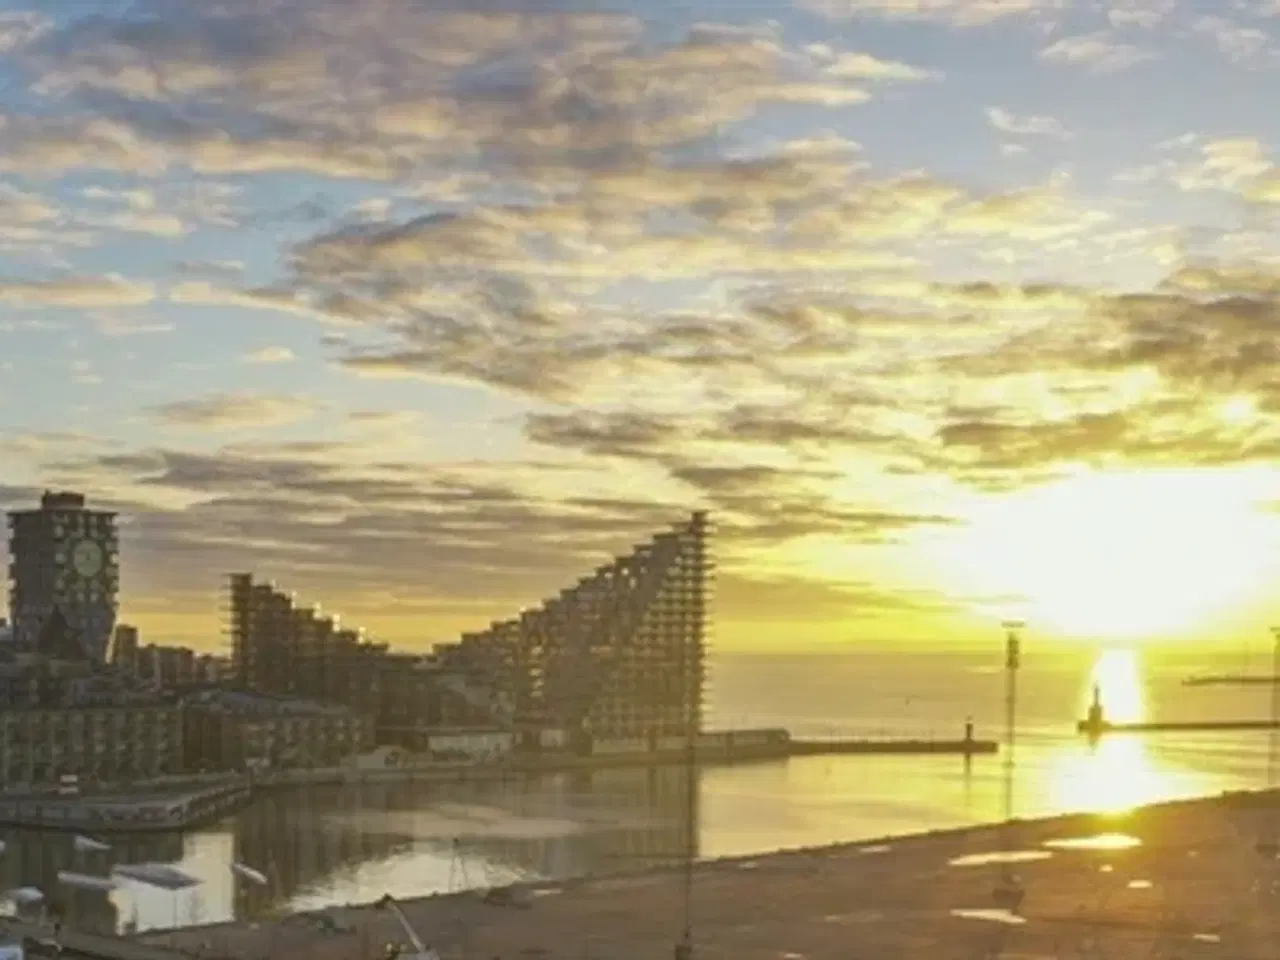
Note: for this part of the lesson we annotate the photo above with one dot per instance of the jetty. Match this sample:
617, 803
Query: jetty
1095, 724
726, 748
1231, 680
966, 746
1097, 729
740, 746
40, 940
125, 811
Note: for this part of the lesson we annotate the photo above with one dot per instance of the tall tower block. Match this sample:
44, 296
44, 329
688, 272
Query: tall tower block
64, 557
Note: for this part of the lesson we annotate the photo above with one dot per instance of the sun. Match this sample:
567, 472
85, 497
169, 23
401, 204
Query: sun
1132, 555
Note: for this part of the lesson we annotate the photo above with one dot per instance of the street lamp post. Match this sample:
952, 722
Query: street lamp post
1009, 892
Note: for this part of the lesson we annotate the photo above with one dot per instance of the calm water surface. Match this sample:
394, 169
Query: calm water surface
328, 846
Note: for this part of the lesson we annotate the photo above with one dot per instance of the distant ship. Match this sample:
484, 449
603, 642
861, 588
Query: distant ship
1230, 680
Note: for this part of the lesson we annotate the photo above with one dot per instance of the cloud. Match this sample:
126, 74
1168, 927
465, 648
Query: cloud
114, 325
1031, 125
395, 419
273, 354
599, 434
204, 293
1140, 14
517, 297
1233, 164
235, 411
960, 13
854, 65
779, 598
76, 291
520, 89
645, 236
1099, 52
47, 146
1238, 43
754, 502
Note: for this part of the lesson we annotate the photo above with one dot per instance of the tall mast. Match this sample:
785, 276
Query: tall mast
1009, 893
1267, 844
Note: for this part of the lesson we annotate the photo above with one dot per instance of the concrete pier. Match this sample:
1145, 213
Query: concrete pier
174, 809
77, 945
1096, 730
1095, 724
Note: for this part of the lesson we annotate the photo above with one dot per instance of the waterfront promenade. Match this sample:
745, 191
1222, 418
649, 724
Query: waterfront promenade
1177, 880
186, 802
79, 945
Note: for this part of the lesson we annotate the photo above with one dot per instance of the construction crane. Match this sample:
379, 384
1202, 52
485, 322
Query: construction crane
420, 950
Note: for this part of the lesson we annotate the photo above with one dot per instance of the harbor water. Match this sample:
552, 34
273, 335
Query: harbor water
325, 846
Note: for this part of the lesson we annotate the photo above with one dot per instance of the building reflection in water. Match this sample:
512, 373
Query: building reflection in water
334, 845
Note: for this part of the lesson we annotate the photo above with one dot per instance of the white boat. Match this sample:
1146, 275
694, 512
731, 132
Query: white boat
246, 872
165, 876
89, 845
85, 881
23, 896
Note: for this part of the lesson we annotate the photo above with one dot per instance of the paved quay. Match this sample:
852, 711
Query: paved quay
178, 806
1182, 880
79, 945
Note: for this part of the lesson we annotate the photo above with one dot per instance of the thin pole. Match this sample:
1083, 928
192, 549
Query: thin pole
1267, 845
690, 840
684, 949
1012, 661
1009, 892
1273, 747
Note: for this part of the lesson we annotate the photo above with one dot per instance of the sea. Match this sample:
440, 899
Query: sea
319, 847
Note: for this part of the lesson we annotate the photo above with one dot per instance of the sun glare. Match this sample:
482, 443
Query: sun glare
1117, 677
1114, 777
1130, 556
1118, 774
1237, 411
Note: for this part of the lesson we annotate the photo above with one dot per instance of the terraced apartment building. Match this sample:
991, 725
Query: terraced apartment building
283, 649
621, 655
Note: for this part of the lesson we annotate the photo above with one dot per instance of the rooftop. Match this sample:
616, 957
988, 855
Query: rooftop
245, 702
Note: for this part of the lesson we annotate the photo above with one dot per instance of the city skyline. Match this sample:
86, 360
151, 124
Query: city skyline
946, 311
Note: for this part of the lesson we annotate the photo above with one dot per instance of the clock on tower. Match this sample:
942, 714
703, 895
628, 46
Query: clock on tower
87, 557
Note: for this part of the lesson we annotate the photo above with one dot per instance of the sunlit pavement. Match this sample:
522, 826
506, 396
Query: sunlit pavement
1184, 880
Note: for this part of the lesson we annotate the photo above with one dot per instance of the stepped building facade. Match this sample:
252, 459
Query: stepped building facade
618, 656
282, 649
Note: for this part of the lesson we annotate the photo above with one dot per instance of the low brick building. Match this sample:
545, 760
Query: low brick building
235, 730
96, 744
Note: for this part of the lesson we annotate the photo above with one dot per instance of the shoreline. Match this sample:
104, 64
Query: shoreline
910, 851
198, 800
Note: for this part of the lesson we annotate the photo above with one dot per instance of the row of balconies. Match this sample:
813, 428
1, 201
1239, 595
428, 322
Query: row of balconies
80, 743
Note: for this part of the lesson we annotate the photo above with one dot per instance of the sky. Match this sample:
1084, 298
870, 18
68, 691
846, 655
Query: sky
949, 311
